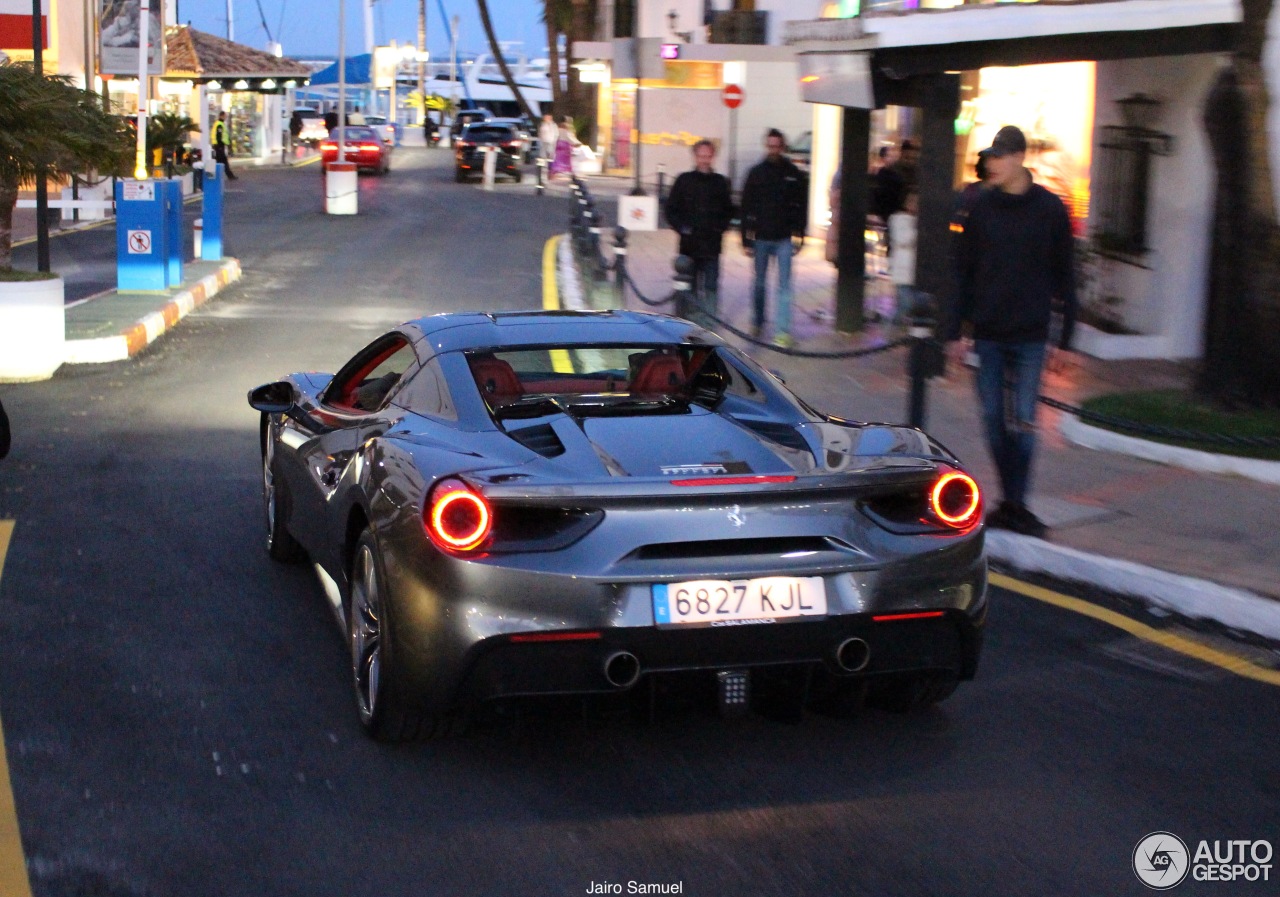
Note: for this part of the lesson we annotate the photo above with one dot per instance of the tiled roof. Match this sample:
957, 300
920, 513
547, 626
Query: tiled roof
195, 54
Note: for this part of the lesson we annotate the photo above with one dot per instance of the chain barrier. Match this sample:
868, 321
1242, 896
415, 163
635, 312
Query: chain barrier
1162, 431
925, 359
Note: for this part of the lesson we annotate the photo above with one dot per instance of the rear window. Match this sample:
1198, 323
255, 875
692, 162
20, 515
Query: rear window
650, 371
354, 133
488, 132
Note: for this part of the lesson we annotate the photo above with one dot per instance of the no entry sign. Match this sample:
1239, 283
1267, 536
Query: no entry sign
732, 96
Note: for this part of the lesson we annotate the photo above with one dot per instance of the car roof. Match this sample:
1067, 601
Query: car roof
463, 331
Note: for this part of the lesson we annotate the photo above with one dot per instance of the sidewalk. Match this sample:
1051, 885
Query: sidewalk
1108, 512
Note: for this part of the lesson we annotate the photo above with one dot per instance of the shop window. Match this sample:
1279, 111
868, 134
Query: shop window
1122, 185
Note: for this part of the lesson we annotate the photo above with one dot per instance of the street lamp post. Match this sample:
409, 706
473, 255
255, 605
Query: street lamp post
638, 190
140, 156
42, 185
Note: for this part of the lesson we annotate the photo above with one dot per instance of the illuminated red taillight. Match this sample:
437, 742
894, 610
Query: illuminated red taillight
514, 144
955, 499
464, 144
329, 147
456, 518
557, 637
369, 146
917, 615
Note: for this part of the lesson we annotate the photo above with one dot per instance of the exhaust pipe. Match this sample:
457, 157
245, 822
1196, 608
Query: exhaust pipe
622, 669
853, 655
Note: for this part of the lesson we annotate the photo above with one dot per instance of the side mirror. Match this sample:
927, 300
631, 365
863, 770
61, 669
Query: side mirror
273, 398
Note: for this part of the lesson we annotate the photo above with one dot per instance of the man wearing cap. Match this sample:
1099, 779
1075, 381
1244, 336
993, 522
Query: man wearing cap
1015, 264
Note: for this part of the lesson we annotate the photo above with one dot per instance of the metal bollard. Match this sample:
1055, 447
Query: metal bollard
662, 192
682, 285
542, 169
925, 358
620, 266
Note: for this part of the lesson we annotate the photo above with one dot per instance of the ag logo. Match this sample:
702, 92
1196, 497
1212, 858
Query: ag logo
1161, 861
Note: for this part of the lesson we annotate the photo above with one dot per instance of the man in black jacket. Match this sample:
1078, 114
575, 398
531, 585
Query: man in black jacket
775, 211
699, 209
1015, 260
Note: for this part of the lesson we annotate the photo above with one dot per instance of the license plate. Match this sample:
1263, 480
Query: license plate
728, 602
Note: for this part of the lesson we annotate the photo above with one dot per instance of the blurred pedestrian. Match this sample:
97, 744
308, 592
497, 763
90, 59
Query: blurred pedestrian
775, 212
221, 144
548, 134
566, 140
699, 208
1015, 263
902, 256
969, 195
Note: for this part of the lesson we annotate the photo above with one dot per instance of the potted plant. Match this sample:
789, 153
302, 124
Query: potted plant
167, 134
51, 128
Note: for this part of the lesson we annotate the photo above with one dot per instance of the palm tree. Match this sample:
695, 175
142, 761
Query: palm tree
46, 121
1242, 323
502, 61
168, 133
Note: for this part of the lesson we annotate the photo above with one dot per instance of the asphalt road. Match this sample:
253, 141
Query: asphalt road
179, 720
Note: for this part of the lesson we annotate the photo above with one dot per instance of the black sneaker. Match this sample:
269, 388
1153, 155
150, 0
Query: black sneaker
1028, 524
1003, 517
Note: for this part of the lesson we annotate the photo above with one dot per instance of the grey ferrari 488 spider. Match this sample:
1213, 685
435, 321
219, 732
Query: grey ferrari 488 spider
503, 505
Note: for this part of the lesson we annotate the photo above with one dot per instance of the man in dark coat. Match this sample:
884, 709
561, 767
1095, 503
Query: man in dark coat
1015, 262
699, 209
775, 213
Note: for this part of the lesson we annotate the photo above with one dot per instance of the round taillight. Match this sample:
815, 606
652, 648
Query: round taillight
457, 519
955, 499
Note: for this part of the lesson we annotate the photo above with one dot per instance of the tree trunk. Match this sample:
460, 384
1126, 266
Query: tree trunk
1242, 351
581, 97
8, 199
501, 60
553, 63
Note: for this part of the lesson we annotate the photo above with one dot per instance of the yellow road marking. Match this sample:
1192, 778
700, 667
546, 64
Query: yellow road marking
1183, 645
560, 361
13, 866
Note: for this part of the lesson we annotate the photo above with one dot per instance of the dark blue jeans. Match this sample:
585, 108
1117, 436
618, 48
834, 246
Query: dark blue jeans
706, 283
1008, 388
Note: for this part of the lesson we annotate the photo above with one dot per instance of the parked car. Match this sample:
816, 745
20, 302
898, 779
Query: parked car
364, 146
524, 503
469, 150
389, 130
801, 151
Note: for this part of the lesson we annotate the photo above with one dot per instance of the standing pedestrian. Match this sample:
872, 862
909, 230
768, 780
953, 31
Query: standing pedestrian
548, 135
902, 257
775, 211
699, 208
221, 144
1015, 262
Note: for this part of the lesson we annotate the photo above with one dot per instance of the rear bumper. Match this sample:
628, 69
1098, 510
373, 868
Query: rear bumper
501, 667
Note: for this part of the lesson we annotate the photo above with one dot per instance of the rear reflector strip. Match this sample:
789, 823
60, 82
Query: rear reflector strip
556, 637
733, 481
922, 615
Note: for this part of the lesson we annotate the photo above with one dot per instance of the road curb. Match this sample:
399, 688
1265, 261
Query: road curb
142, 333
1083, 434
1187, 596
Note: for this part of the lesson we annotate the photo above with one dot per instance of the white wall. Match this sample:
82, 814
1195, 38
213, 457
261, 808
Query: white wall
1168, 300
772, 100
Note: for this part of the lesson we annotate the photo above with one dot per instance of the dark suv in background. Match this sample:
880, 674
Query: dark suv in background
468, 150
465, 117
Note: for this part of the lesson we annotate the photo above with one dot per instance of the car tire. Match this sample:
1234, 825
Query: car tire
459, 176
910, 694
517, 176
281, 545
386, 712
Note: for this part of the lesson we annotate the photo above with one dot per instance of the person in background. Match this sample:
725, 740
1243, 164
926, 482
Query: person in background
566, 140
775, 212
902, 257
548, 134
221, 144
1015, 261
699, 208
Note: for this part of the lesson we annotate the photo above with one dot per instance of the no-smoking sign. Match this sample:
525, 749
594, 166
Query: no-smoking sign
139, 242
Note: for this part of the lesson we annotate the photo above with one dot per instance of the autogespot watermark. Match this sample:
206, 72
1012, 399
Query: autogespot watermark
1162, 861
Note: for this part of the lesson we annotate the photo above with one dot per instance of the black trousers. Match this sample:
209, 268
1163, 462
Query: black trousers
220, 155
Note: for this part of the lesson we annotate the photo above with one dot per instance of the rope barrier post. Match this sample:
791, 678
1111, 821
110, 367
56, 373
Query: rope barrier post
682, 285
925, 358
662, 187
542, 169
620, 266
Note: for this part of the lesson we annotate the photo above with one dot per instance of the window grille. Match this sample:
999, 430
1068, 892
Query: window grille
1121, 193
